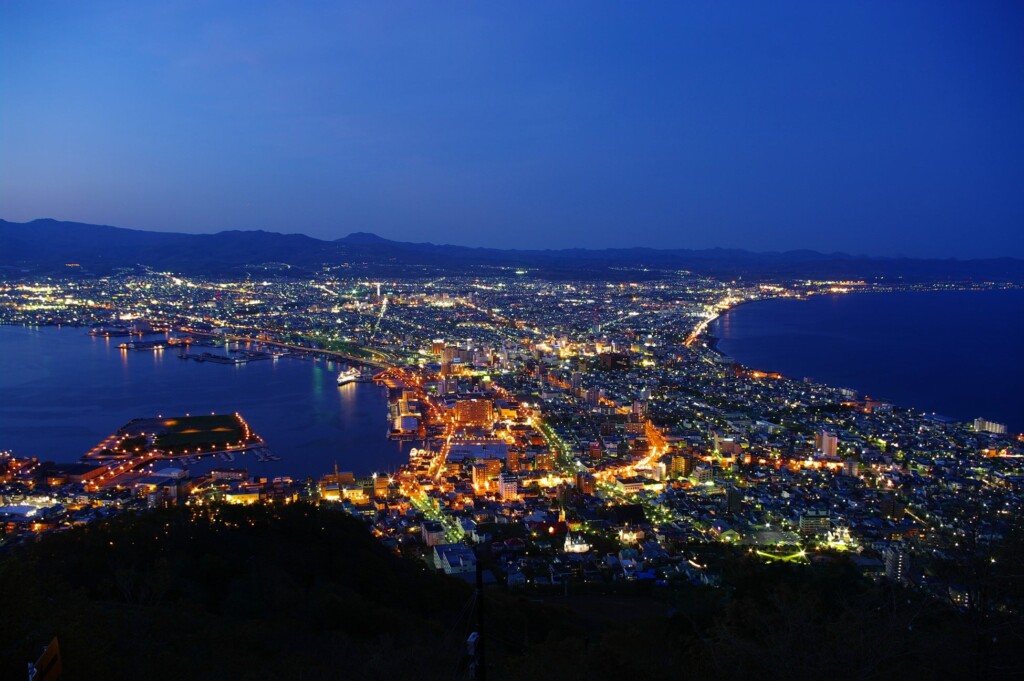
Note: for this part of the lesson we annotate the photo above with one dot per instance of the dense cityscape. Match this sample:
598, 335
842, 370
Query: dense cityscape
548, 341
568, 435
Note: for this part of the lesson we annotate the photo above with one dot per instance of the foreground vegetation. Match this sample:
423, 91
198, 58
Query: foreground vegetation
300, 592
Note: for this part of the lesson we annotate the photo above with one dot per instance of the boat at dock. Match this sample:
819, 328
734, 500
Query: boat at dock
348, 376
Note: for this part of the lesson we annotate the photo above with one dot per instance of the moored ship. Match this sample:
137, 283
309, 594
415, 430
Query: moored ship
348, 375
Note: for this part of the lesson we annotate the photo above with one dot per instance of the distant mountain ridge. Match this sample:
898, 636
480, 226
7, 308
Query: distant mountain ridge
47, 245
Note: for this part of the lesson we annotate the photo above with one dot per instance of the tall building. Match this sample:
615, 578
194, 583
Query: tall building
733, 501
681, 466
475, 412
897, 564
826, 443
514, 460
508, 486
984, 426
485, 471
586, 483
703, 474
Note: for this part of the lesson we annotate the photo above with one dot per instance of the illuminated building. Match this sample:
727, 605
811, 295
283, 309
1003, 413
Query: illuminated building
897, 564
984, 426
586, 483
484, 472
681, 466
544, 461
703, 474
826, 443
815, 522
575, 544
475, 412
635, 424
630, 485
508, 486
406, 423
513, 460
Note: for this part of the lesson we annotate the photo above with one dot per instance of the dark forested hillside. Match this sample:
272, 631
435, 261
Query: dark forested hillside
301, 592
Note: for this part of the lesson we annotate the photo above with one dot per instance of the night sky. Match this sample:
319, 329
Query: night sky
867, 127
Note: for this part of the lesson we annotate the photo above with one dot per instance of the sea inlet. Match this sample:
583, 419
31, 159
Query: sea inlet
63, 391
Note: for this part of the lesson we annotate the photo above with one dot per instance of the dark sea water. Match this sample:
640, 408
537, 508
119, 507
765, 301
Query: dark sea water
62, 391
957, 353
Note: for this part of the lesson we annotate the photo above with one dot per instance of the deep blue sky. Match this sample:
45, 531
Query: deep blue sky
868, 127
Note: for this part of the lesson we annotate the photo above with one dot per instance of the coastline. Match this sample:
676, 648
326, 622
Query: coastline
308, 427
711, 341
950, 391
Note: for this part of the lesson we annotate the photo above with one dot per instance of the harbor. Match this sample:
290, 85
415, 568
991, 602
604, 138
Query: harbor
306, 419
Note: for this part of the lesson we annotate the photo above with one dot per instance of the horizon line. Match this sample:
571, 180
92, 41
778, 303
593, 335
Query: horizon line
374, 235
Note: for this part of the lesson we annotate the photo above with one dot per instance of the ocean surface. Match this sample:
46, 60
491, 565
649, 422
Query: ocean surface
63, 391
957, 353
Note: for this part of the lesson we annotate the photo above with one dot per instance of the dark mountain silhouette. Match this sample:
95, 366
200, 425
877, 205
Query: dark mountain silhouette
48, 245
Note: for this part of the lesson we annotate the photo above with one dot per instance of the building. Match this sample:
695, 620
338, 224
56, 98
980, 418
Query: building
544, 461
380, 485
484, 472
733, 500
406, 423
454, 559
681, 466
613, 361
826, 443
586, 483
475, 413
575, 544
897, 564
508, 486
433, 532
703, 474
984, 426
640, 408
513, 460
630, 485
815, 522
576, 381
237, 474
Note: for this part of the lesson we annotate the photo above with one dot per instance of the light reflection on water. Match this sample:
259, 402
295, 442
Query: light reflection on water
62, 391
